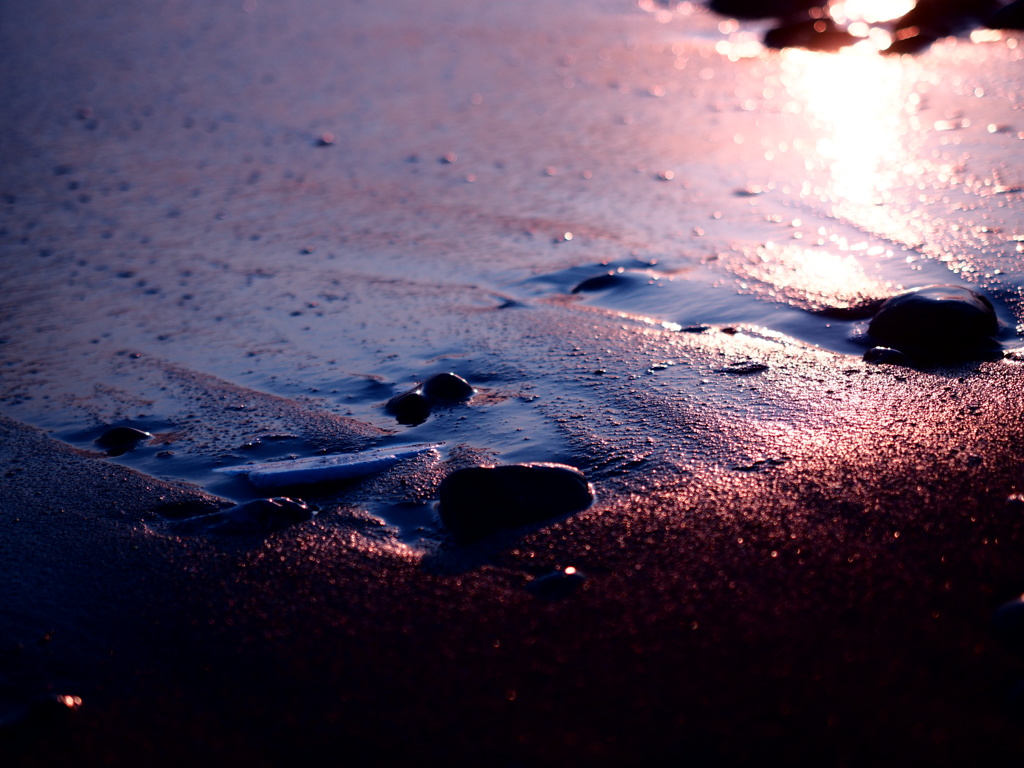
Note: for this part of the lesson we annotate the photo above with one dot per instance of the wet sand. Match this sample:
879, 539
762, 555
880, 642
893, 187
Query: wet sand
796, 559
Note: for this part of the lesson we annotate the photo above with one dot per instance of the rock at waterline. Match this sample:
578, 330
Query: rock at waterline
937, 322
260, 516
447, 388
557, 585
413, 407
886, 356
409, 407
477, 501
122, 439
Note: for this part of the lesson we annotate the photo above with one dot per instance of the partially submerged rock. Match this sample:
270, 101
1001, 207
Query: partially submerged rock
477, 501
937, 323
447, 388
886, 356
557, 584
257, 517
414, 406
118, 440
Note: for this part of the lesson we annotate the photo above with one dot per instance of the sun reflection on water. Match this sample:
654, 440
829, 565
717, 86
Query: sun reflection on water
856, 102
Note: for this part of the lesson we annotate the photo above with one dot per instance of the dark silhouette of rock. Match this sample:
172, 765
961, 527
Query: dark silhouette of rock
413, 407
937, 323
118, 440
477, 501
812, 34
447, 388
886, 356
764, 9
557, 585
409, 407
257, 517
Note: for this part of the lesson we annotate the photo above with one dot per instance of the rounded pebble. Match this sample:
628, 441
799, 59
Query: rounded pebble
886, 356
259, 516
447, 388
410, 407
558, 584
119, 440
600, 282
477, 501
938, 322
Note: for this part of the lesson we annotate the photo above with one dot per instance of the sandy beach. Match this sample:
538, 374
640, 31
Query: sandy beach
243, 228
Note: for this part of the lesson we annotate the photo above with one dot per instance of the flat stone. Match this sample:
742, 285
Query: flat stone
477, 501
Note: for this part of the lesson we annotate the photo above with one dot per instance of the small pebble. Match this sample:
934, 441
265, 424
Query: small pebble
477, 501
447, 388
744, 368
886, 356
558, 584
120, 440
260, 516
410, 407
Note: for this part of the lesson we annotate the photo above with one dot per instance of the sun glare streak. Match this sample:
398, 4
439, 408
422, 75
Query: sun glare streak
855, 99
869, 11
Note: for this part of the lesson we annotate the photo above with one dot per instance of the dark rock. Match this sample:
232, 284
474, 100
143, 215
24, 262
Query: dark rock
763, 9
887, 356
447, 388
744, 368
558, 584
409, 407
257, 517
937, 323
180, 510
477, 501
600, 282
119, 440
811, 34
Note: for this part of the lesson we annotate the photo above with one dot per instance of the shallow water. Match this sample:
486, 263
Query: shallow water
172, 227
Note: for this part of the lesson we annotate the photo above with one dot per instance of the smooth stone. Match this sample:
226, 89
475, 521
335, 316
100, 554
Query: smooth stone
763, 9
558, 584
937, 322
810, 34
447, 388
744, 368
120, 440
477, 501
260, 516
409, 407
600, 282
886, 356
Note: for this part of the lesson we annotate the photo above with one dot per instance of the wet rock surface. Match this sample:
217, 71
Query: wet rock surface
447, 388
477, 501
557, 585
120, 440
937, 323
414, 406
256, 517
886, 356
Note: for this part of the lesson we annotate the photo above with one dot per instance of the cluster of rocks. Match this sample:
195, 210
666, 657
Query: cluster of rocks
414, 406
807, 23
